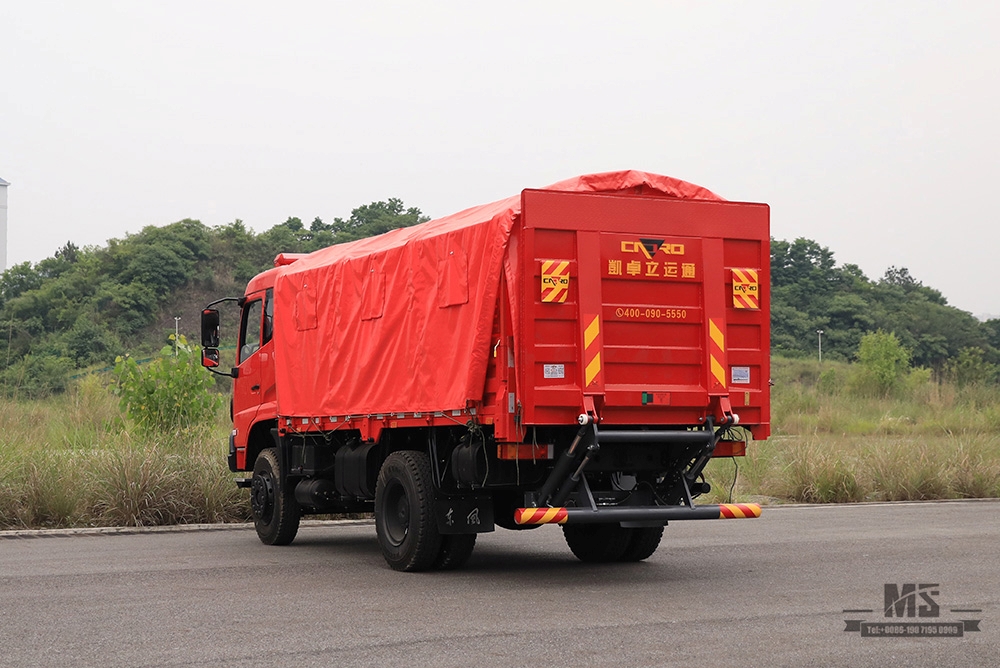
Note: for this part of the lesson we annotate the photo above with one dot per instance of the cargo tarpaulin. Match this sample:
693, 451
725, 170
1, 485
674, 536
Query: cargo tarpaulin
401, 322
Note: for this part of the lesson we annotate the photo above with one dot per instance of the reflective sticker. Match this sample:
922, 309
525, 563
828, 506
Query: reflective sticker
592, 350
555, 281
540, 516
593, 368
717, 353
746, 293
730, 511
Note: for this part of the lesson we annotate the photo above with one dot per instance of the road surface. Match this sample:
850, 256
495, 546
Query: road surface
765, 592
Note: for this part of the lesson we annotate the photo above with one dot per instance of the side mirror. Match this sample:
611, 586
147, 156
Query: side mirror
210, 334
210, 358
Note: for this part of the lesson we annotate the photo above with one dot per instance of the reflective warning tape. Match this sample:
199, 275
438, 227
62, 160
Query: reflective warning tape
732, 511
540, 515
717, 353
592, 350
555, 280
746, 292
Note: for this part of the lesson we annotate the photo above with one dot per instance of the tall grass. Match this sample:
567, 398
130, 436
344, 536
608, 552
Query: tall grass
834, 443
73, 460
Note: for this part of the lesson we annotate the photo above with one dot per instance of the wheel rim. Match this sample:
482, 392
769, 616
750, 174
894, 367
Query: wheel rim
262, 497
397, 514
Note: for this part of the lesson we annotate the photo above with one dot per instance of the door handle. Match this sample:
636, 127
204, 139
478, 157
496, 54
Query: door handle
254, 388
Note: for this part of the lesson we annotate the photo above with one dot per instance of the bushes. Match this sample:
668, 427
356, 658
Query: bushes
172, 393
971, 368
37, 375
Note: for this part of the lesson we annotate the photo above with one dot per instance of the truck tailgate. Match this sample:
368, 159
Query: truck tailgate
654, 309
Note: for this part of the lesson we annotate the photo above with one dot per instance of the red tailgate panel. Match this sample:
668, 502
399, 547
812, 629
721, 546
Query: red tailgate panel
630, 299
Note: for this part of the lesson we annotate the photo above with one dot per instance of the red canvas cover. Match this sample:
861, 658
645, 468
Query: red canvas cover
401, 322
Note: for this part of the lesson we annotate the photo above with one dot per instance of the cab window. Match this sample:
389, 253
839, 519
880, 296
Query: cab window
250, 329
268, 317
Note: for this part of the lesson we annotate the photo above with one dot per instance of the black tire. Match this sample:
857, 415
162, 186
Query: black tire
597, 543
404, 512
642, 544
455, 551
275, 510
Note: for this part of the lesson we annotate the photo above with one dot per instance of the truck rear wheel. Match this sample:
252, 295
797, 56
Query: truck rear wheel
275, 510
455, 551
597, 543
642, 544
404, 512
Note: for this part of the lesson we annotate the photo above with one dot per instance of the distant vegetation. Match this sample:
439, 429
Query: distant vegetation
810, 292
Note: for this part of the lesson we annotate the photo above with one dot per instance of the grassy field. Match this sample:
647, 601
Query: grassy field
832, 444
74, 460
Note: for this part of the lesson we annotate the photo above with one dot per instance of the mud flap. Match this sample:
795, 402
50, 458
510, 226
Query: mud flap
464, 514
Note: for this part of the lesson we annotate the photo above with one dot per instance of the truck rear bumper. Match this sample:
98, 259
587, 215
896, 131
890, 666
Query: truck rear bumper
637, 514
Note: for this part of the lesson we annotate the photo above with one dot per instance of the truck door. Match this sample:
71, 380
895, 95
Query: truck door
247, 395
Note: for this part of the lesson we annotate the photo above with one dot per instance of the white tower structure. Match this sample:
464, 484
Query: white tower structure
3, 225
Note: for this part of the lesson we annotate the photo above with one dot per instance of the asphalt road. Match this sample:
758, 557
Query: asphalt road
765, 592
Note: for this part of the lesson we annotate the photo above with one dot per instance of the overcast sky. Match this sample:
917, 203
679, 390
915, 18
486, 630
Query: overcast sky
870, 127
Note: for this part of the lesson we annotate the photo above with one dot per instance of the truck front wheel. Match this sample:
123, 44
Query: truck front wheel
275, 510
404, 512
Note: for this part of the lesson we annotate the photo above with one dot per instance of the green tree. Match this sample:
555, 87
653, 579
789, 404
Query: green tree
17, 280
376, 218
884, 363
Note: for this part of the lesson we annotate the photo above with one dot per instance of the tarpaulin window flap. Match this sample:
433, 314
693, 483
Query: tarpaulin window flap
453, 278
374, 293
305, 308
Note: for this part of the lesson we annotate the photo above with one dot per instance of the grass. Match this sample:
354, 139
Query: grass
838, 469
832, 444
74, 460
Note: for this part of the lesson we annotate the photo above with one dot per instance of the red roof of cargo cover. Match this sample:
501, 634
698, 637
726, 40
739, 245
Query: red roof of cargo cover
401, 322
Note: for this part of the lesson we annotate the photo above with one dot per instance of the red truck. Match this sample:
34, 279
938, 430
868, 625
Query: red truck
571, 355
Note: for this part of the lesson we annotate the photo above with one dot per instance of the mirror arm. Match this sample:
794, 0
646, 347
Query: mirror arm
239, 301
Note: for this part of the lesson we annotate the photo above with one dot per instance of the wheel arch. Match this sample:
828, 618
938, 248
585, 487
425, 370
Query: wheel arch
259, 438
